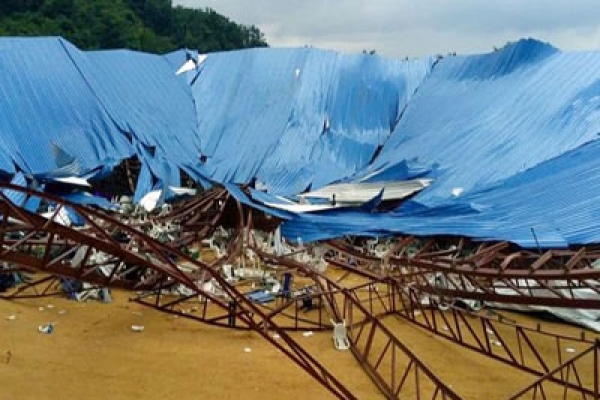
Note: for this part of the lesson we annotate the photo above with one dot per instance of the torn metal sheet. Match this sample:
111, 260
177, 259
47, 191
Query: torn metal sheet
359, 193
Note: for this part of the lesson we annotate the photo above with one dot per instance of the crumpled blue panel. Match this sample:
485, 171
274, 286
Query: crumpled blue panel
265, 198
481, 119
293, 118
554, 204
240, 196
16, 197
44, 100
176, 59
75, 218
145, 98
563, 193
144, 183
401, 171
195, 173
334, 224
511, 139
90, 200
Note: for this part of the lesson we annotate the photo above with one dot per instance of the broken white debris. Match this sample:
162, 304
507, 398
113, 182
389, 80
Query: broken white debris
11, 317
457, 191
307, 334
137, 328
191, 65
570, 350
247, 350
47, 329
74, 180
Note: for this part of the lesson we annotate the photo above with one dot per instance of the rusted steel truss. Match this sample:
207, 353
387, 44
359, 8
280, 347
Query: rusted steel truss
492, 273
500, 339
571, 372
404, 282
396, 371
109, 253
192, 219
510, 343
197, 217
45, 286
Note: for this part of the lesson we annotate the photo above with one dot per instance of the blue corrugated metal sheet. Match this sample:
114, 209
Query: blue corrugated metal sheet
513, 133
291, 118
96, 107
44, 101
144, 97
510, 138
481, 119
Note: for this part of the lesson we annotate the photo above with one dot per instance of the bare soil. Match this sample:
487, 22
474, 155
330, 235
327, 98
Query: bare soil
93, 354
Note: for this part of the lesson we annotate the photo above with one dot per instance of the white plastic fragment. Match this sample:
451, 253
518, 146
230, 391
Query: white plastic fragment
50, 306
11, 317
62, 312
247, 350
497, 343
570, 350
446, 328
276, 336
137, 328
190, 65
201, 58
47, 329
457, 191
308, 334
41, 308
490, 332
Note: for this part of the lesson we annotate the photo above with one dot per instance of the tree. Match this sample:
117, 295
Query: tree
149, 25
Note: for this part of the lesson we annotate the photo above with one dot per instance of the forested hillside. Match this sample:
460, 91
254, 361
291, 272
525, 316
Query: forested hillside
148, 25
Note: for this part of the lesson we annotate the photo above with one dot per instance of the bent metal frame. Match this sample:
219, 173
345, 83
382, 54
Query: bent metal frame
395, 286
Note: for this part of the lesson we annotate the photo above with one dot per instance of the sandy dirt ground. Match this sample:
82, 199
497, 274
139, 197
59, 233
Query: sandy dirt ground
93, 354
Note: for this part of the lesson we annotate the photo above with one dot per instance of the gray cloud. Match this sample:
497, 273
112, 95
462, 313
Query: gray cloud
398, 28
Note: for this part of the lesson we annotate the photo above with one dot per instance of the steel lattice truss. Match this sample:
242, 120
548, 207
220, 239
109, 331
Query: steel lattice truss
132, 260
415, 281
490, 273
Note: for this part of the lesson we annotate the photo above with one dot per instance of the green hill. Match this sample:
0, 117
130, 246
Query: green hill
148, 25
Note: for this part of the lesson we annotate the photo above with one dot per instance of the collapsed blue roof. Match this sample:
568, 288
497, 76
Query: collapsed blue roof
287, 118
509, 138
511, 141
45, 104
294, 118
481, 119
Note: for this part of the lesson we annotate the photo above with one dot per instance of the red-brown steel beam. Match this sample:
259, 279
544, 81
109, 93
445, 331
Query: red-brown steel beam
477, 333
155, 261
364, 326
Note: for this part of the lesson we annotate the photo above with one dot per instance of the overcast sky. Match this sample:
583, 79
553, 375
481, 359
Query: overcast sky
399, 28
